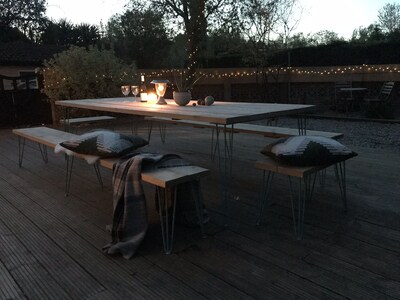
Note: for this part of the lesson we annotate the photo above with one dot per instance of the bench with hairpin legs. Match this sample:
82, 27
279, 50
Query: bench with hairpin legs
307, 177
266, 131
165, 180
70, 122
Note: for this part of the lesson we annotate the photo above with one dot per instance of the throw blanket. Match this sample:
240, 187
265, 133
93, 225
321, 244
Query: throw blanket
130, 214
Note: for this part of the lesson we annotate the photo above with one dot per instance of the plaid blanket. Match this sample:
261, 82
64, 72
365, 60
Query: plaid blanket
130, 214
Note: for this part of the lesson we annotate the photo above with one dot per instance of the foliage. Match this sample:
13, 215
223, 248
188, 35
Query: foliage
139, 36
368, 35
180, 80
65, 33
26, 16
325, 37
194, 14
226, 48
262, 20
299, 40
191, 17
190, 34
289, 15
176, 60
340, 53
79, 73
389, 17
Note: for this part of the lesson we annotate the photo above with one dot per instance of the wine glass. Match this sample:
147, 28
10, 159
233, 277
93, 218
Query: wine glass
125, 89
135, 91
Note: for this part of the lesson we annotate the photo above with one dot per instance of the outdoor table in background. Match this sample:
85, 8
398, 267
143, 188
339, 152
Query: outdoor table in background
357, 96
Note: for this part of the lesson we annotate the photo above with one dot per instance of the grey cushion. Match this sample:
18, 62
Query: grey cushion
104, 143
308, 151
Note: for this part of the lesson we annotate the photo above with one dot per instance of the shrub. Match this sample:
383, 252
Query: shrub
80, 73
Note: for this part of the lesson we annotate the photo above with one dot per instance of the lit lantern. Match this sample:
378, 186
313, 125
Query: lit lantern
161, 87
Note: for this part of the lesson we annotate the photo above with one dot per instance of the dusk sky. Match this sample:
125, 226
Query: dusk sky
340, 16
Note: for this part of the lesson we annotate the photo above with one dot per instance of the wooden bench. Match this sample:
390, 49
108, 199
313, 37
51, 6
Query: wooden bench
307, 176
164, 178
43, 136
68, 123
267, 131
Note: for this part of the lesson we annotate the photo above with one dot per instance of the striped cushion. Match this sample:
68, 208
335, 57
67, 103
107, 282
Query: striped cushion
104, 143
308, 151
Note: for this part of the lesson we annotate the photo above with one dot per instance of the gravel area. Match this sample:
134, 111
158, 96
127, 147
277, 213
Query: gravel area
371, 134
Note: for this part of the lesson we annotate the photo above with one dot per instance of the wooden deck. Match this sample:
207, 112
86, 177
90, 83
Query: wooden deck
50, 245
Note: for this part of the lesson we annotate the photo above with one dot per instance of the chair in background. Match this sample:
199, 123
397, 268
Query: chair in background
343, 98
384, 95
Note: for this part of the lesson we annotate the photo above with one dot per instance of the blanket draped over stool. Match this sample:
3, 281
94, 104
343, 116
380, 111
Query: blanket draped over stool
130, 222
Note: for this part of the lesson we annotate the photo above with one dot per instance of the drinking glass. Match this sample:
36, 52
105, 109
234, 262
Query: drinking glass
125, 89
135, 91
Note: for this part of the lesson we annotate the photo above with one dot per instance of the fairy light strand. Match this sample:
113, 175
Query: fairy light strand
212, 73
248, 73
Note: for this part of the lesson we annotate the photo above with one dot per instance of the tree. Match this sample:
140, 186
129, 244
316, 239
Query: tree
289, 15
86, 34
226, 48
25, 15
80, 73
325, 37
191, 17
262, 18
252, 19
299, 40
368, 35
58, 33
65, 33
140, 36
389, 17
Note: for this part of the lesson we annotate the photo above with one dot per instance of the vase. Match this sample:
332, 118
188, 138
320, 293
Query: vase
182, 98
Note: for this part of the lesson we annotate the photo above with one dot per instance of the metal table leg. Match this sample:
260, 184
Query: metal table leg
225, 164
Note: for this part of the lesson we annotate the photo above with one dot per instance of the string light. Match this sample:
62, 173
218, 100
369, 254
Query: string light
305, 71
248, 73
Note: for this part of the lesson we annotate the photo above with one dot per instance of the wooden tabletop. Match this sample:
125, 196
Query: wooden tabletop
219, 112
354, 89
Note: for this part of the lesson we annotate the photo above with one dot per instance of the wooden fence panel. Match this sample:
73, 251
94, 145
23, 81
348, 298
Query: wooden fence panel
21, 105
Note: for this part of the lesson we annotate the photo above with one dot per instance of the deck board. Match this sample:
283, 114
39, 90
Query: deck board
43, 233
89, 254
9, 288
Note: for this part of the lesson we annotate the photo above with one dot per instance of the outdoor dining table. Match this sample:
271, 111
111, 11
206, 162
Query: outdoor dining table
357, 93
223, 114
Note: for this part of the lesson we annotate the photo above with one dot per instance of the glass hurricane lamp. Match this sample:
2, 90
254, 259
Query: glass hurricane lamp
161, 87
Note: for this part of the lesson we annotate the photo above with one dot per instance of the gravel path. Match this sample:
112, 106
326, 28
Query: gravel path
356, 133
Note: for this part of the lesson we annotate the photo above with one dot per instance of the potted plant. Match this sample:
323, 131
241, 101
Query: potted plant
184, 83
